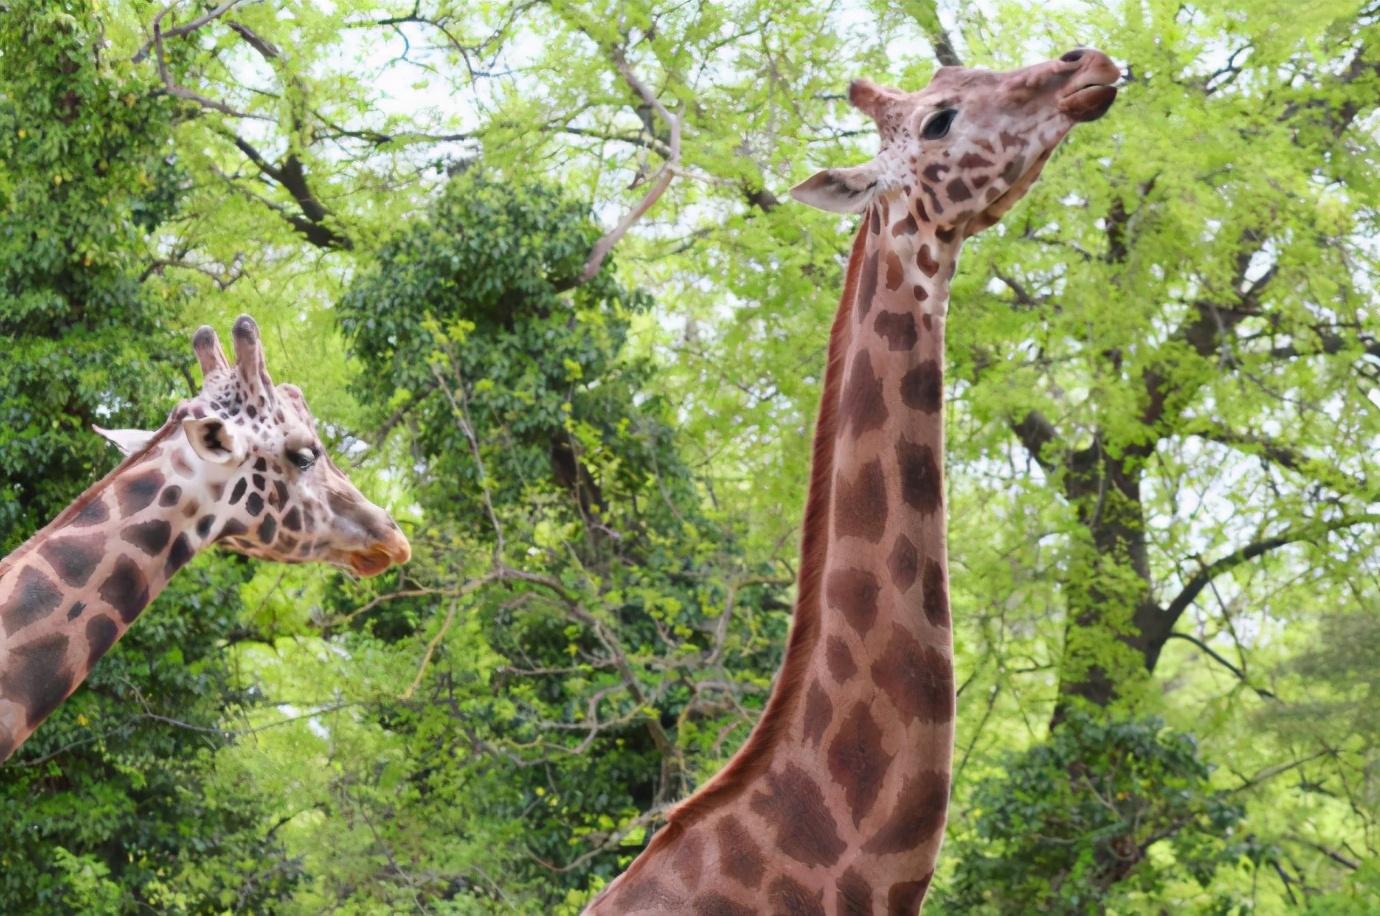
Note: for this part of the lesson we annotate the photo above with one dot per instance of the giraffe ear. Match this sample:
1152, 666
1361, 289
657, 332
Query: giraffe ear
213, 441
840, 190
128, 441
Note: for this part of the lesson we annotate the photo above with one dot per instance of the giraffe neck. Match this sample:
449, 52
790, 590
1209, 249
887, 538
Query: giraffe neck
837, 802
71, 591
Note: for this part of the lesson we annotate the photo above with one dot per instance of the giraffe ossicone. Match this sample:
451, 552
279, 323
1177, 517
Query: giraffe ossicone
837, 802
239, 466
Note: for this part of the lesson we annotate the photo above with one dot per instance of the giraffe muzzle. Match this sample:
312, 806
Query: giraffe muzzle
1092, 88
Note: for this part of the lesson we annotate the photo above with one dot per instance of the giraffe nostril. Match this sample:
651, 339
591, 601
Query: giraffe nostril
1074, 55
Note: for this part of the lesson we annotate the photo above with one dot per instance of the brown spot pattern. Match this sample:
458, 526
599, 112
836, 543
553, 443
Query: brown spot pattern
101, 633
936, 595
818, 713
854, 895
135, 493
897, 329
917, 817
907, 226
973, 161
854, 593
867, 284
958, 191
34, 676
93, 513
839, 659
918, 679
922, 388
788, 897
34, 598
178, 556
712, 904
905, 897
926, 262
857, 760
860, 506
73, 558
793, 805
688, 860
125, 589
903, 563
739, 856
894, 274
862, 404
150, 537
921, 483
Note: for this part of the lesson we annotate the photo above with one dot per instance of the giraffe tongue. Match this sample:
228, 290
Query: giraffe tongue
370, 563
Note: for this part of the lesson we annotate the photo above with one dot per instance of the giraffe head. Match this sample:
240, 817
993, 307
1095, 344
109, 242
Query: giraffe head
267, 488
968, 146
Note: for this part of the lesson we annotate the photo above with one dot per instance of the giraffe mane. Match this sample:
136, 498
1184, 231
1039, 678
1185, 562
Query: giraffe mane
96, 489
754, 756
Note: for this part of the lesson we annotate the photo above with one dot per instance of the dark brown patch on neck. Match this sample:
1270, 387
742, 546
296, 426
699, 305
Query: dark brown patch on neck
854, 895
897, 329
792, 804
150, 537
788, 897
903, 563
135, 493
919, 679
922, 388
819, 711
35, 677
858, 762
853, 592
917, 817
73, 558
860, 507
839, 659
935, 595
126, 590
863, 406
35, 596
921, 479
739, 856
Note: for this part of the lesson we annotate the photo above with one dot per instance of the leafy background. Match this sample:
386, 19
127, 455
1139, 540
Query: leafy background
1163, 420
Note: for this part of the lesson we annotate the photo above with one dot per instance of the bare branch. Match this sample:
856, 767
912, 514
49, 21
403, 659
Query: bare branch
660, 182
179, 31
1305, 532
1240, 675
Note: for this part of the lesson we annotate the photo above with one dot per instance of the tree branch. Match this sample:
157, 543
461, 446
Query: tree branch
660, 182
1240, 675
180, 30
1245, 554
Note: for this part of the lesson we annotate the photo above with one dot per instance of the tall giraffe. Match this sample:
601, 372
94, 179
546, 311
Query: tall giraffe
239, 466
837, 802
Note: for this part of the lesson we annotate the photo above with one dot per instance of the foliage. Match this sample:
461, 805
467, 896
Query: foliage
597, 620
1074, 816
84, 178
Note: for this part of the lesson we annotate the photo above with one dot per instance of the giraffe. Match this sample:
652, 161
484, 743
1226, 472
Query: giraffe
838, 800
238, 466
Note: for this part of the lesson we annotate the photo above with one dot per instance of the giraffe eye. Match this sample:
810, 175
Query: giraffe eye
304, 458
938, 124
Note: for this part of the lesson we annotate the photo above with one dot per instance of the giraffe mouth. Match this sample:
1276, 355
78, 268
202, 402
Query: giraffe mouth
1088, 103
370, 562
